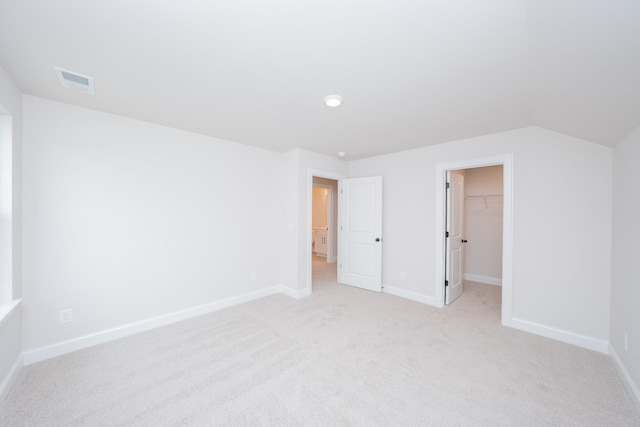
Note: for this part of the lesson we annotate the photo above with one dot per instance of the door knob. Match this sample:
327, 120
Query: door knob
464, 241
377, 239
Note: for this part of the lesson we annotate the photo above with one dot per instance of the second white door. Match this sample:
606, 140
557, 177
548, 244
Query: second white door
360, 232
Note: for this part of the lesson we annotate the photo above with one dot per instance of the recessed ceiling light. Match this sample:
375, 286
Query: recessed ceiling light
341, 153
75, 81
333, 100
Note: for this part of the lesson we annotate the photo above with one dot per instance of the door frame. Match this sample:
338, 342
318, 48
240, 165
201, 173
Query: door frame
311, 173
506, 161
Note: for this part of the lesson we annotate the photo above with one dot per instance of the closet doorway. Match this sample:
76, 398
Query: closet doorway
476, 196
474, 221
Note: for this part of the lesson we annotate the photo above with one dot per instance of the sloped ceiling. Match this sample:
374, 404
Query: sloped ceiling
412, 73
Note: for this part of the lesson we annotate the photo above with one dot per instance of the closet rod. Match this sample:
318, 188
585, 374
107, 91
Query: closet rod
484, 195
484, 198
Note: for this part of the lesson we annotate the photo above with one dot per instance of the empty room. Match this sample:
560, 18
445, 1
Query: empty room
319, 213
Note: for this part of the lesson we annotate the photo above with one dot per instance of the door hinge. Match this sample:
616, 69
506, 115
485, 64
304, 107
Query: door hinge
446, 234
446, 283
447, 186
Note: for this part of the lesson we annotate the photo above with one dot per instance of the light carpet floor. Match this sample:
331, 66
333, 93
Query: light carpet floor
342, 357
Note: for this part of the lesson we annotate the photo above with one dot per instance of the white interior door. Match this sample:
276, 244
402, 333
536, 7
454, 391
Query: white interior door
454, 256
360, 232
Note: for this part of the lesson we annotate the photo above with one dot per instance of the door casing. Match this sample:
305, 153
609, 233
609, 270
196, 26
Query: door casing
311, 173
506, 161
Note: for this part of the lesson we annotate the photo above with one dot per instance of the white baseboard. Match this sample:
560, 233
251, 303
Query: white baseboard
483, 279
100, 337
293, 293
590, 343
11, 377
413, 296
632, 387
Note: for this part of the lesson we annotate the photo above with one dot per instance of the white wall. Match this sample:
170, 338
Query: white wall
562, 224
625, 290
483, 224
125, 220
10, 185
290, 263
10, 243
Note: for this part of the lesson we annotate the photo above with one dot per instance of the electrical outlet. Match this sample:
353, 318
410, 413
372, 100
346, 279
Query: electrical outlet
254, 277
403, 274
625, 341
65, 316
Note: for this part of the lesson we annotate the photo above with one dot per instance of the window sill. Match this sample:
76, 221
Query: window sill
7, 309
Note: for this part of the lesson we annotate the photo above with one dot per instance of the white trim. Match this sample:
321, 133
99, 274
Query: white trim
11, 377
7, 309
631, 386
100, 337
583, 341
296, 294
506, 160
410, 295
483, 279
310, 174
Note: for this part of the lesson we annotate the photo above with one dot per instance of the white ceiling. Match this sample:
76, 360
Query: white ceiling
412, 72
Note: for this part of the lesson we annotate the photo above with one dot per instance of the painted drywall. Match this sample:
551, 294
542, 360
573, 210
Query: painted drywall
10, 223
483, 224
124, 220
562, 223
291, 259
625, 288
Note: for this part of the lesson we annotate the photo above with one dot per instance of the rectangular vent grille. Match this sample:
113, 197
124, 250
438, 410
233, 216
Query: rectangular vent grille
75, 81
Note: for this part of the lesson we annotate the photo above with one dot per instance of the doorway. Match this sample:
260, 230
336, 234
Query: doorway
323, 234
329, 181
323, 218
474, 216
360, 236
506, 161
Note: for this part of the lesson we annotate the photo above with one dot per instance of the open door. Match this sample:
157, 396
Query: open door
360, 232
454, 261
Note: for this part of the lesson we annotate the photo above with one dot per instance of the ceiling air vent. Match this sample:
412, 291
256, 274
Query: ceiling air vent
75, 81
